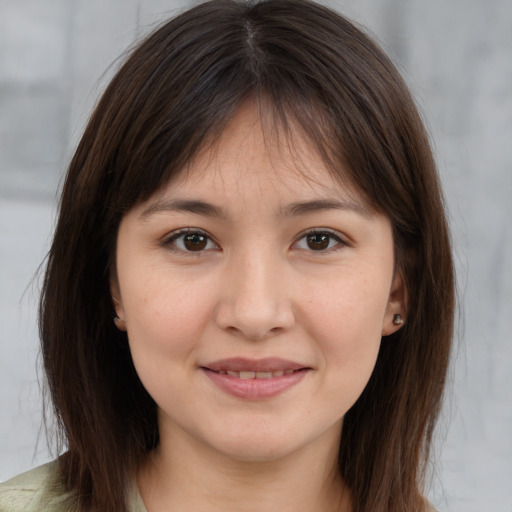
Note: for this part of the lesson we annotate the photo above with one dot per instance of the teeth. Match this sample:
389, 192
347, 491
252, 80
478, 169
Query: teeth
263, 375
256, 375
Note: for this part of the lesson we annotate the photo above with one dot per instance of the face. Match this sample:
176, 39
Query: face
255, 290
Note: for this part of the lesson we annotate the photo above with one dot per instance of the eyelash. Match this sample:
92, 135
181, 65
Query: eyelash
333, 235
170, 241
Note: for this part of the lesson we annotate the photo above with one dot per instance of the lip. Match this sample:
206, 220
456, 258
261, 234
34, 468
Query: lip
242, 364
255, 388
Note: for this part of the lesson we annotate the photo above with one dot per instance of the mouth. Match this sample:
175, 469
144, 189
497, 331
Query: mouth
255, 379
257, 375
244, 368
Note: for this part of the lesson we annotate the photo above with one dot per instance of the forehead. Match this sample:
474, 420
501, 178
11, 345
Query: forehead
255, 153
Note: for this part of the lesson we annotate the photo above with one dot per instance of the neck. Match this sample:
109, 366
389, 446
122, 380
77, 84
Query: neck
182, 476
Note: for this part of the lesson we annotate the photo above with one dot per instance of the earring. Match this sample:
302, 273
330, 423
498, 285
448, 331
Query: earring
119, 323
397, 319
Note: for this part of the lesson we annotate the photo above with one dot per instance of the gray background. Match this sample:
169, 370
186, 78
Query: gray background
457, 58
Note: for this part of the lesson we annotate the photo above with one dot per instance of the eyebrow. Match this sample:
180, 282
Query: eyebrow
185, 206
305, 207
292, 210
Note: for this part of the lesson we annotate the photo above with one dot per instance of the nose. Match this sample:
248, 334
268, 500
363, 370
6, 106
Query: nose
256, 300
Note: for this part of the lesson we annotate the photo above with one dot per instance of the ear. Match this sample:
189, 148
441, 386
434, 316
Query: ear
119, 319
396, 310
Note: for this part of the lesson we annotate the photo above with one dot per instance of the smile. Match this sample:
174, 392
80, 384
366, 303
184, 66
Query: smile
255, 379
256, 375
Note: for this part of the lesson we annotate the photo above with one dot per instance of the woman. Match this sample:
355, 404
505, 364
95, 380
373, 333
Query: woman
248, 301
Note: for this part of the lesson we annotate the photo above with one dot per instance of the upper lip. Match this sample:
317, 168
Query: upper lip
241, 364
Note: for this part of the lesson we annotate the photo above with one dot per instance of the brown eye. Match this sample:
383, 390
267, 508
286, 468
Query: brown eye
189, 241
195, 241
318, 241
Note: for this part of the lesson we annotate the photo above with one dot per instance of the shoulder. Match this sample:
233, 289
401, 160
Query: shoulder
36, 490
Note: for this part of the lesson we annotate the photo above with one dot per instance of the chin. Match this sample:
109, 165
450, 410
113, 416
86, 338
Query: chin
257, 452
266, 443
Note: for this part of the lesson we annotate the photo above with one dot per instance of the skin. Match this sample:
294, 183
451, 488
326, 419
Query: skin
256, 288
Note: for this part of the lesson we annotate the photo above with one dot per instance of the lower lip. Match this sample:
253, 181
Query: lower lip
255, 389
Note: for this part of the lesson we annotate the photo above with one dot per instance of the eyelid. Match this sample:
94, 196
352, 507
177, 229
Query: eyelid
169, 238
342, 240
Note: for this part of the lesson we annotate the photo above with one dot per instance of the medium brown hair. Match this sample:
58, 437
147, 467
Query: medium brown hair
176, 90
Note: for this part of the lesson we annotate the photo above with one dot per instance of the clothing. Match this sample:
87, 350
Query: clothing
39, 490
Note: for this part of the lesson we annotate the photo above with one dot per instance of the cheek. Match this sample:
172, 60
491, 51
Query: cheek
165, 319
165, 327
349, 307
346, 322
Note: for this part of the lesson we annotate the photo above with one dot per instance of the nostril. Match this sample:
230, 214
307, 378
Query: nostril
254, 318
